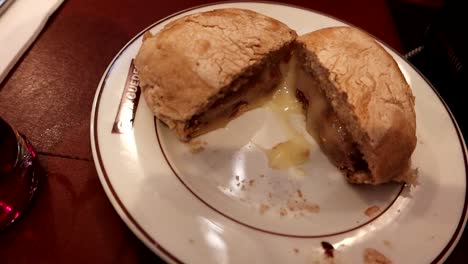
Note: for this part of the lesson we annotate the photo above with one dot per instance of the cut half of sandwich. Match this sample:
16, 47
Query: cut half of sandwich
359, 106
210, 65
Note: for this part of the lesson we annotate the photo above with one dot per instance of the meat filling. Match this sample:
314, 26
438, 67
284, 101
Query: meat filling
324, 126
238, 101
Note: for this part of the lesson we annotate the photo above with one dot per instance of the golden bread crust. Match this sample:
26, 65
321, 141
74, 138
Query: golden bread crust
369, 94
193, 61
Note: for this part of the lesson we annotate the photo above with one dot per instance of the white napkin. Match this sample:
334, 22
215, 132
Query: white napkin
19, 26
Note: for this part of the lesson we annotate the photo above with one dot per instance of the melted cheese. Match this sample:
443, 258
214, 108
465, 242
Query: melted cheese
288, 154
254, 95
295, 151
323, 124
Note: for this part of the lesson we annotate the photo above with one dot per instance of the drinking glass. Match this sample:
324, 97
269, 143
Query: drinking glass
19, 177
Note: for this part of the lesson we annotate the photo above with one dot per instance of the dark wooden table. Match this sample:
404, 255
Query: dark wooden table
48, 96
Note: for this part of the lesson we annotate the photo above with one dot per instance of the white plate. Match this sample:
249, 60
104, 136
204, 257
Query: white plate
191, 207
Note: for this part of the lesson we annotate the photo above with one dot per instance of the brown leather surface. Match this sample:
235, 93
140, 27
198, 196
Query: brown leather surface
71, 221
48, 97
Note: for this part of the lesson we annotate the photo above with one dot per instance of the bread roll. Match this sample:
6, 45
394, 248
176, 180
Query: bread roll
205, 66
360, 107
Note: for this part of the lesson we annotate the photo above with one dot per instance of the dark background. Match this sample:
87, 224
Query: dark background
433, 36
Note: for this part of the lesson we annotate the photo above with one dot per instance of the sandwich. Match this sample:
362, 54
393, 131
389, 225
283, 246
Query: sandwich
209, 66
359, 106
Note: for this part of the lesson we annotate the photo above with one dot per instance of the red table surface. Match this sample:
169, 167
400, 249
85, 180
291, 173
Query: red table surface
48, 96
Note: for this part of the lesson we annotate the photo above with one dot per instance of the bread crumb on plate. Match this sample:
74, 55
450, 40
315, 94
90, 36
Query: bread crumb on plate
196, 146
372, 211
372, 256
264, 208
